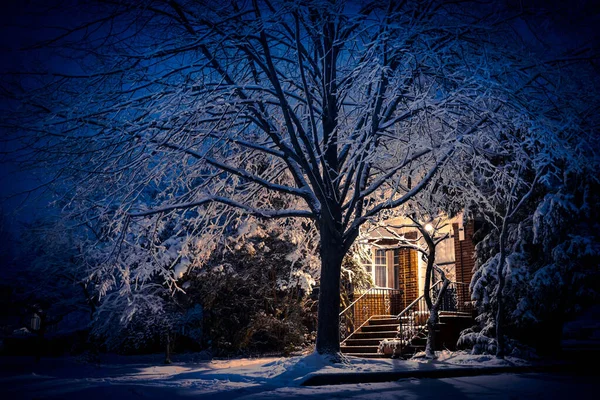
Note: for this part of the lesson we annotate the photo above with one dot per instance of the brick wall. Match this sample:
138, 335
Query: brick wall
464, 251
408, 275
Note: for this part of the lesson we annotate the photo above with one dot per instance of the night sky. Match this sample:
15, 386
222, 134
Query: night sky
551, 27
550, 30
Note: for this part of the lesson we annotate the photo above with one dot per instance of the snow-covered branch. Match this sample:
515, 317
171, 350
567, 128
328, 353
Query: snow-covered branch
260, 213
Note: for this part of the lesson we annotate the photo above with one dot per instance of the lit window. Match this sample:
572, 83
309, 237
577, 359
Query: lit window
380, 257
380, 268
380, 275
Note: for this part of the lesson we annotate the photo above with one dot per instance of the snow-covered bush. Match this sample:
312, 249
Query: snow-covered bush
254, 292
391, 347
136, 323
552, 269
245, 293
47, 278
354, 276
147, 321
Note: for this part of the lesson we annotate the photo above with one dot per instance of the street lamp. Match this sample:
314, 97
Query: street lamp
35, 323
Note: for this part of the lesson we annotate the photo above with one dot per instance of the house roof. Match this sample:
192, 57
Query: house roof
391, 229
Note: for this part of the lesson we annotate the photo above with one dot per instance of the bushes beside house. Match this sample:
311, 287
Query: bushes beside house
552, 272
255, 297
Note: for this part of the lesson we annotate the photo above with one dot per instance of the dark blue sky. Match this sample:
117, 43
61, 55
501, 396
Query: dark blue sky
554, 26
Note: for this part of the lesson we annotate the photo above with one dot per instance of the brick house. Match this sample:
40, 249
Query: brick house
403, 269
395, 308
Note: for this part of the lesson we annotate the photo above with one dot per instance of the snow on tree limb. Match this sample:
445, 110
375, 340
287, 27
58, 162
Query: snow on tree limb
216, 199
191, 117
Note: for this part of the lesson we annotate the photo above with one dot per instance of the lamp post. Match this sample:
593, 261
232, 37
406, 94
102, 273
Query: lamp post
35, 323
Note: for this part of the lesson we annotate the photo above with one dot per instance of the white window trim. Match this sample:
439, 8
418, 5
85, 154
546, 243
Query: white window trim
375, 265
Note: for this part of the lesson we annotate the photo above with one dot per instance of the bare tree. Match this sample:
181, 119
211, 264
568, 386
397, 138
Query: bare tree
431, 242
512, 183
331, 112
430, 227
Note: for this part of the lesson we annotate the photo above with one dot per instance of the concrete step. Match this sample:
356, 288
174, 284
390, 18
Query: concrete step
363, 342
379, 328
375, 335
383, 321
359, 349
456, 314
419, 341
367, 355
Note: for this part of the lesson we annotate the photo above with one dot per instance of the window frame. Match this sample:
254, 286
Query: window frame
380, 265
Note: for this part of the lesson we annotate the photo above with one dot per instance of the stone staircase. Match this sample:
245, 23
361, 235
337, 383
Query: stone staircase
365, 341
408, 327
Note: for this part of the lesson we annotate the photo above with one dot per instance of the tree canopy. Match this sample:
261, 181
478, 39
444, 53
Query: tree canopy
204, 115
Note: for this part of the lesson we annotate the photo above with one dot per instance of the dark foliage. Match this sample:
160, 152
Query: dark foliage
252, 300
553, 270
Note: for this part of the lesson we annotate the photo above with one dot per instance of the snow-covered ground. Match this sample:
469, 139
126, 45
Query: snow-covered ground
260, 378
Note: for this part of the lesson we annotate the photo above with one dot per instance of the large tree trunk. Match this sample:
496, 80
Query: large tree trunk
168, 348
431, 323
433, 308
433, 320
328, 328
499, 300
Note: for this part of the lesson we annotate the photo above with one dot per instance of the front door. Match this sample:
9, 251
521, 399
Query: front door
406, 276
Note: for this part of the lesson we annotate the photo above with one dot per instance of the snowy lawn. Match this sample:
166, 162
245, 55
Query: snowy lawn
130, 377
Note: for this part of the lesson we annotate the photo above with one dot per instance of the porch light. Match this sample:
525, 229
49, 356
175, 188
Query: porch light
35, 322
429, 228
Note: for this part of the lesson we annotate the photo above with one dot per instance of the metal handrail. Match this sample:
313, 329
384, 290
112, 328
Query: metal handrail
409, 325
374, 301
356, 330
364, 294
354, 302
411, 305
462, 291
411, 321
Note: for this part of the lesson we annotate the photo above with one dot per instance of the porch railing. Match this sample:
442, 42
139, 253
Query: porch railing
457, 297
374, 301
463, 297
413, 319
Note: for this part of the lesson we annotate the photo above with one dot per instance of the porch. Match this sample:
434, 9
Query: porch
378, 314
